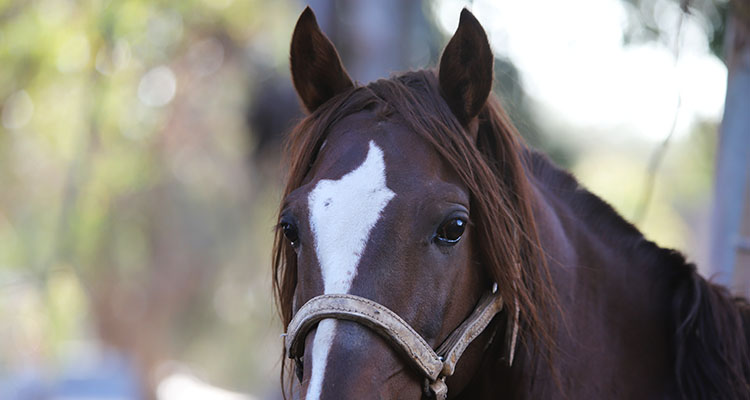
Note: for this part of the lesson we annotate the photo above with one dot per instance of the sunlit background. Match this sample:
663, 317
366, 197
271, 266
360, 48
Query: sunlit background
140, 169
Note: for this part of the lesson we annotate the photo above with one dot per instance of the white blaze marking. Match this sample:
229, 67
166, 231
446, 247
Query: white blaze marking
342, 214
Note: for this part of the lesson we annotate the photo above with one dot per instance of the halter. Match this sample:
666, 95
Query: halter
435, 365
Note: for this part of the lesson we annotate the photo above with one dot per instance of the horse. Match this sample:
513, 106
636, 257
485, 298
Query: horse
423, 250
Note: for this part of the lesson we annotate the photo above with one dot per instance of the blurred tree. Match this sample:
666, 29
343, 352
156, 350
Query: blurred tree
646, 20
730, 231
727, 23
126, 213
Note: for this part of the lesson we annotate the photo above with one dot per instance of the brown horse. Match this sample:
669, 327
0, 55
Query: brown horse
424, 248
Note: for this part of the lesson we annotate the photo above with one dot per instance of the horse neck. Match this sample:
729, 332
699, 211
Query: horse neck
613, 316
634, 320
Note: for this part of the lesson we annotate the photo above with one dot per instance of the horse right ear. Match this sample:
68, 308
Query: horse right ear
317, 72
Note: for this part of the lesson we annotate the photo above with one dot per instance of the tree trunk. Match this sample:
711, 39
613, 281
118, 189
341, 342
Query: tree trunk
729, 257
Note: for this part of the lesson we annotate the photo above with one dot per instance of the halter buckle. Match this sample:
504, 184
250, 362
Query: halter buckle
438, 388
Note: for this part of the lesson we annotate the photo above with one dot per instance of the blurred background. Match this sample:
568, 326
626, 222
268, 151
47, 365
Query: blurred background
140, 166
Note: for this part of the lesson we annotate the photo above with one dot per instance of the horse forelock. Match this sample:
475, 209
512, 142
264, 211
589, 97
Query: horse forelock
488, 162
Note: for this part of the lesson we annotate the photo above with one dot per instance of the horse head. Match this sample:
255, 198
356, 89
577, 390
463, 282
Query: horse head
388, 195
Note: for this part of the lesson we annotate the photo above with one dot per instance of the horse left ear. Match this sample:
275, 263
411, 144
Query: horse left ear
317, 71
465, 72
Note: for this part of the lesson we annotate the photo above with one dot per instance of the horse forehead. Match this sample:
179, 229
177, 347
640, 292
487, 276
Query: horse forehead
342, 214
405, 152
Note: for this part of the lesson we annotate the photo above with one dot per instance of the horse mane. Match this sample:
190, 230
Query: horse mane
489, 164
712, 358
711, 329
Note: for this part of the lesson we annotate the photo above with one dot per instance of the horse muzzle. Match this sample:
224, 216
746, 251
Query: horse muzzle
435, 365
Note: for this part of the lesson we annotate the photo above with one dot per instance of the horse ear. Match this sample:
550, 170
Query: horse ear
465, 72
317, 72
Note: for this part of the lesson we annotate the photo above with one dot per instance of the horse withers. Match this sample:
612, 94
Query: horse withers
424, 251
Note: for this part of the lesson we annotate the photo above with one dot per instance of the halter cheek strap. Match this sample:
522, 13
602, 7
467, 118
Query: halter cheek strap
435, 365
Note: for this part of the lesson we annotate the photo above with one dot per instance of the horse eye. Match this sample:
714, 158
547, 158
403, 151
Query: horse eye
449, 233
290, 232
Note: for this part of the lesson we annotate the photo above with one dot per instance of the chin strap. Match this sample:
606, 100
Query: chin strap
435, 365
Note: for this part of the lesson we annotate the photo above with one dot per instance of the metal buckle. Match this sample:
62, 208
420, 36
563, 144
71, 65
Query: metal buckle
438, 389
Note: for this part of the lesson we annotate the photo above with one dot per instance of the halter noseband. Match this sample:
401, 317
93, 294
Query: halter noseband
435, 365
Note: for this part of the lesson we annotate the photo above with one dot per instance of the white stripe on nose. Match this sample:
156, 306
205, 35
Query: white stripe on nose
342, 214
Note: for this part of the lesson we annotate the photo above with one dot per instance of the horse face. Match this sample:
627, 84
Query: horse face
382, 217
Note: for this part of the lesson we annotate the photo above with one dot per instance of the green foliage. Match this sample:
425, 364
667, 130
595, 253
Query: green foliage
646, 20
124, 195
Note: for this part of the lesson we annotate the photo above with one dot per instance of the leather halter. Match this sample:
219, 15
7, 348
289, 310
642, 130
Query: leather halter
434, 365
